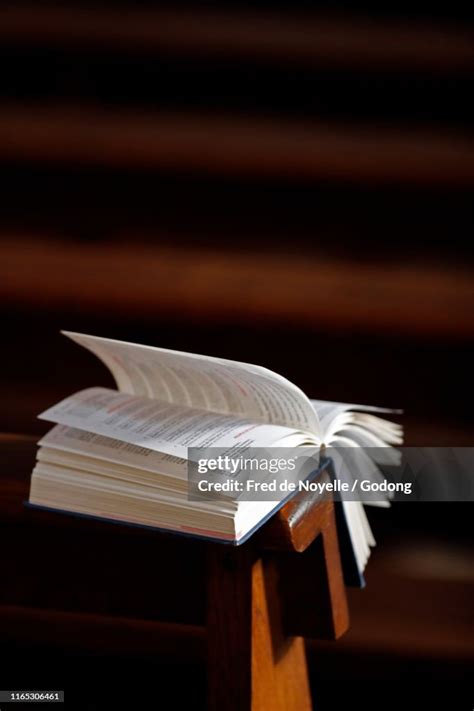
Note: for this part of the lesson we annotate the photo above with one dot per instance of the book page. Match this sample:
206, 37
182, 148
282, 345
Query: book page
336, 416
88, 444
205, 383
157, 425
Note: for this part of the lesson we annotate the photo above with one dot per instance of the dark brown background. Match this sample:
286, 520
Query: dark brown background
285, 184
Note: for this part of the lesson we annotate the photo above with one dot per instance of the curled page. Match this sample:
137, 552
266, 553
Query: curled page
334, 417
205, 383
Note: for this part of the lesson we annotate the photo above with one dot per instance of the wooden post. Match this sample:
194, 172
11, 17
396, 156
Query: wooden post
252, 663
263, 598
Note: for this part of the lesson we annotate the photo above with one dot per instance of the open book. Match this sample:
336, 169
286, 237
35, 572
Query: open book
122, 454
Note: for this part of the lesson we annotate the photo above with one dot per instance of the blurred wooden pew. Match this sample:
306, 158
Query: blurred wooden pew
218, 285
234, 146
298, 37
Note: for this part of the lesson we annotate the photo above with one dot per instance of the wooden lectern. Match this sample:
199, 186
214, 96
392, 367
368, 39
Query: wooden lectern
256, 602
